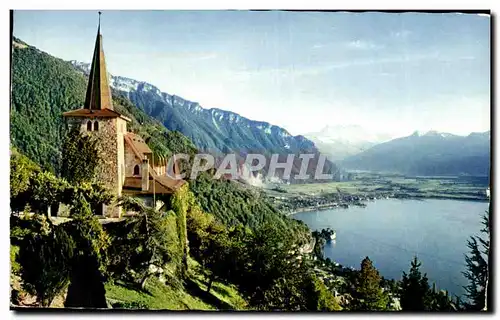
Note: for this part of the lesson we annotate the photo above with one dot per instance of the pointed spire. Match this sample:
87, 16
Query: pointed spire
98, 95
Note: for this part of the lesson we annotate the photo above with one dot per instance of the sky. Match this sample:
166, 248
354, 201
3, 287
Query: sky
386, 72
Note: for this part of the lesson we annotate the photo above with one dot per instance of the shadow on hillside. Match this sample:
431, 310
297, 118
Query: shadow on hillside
194, 289
220, 290
133, 287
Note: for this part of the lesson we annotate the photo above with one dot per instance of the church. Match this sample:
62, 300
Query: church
127, 165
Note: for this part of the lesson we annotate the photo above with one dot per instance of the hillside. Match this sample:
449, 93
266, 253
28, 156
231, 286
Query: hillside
432, 153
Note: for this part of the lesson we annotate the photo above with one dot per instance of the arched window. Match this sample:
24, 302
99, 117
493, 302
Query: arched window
96, 126
89, 125
136, 170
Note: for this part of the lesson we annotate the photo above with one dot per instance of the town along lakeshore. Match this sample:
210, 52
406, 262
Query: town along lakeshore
367, 187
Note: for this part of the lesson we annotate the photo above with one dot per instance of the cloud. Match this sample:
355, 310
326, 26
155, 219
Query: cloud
363, 45
401, 34
312, 70
318, 46
207, 56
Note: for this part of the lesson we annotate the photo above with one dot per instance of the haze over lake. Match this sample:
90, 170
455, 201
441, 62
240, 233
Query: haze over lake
392, 231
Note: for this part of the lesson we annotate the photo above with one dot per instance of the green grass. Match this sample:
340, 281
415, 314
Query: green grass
158, 296
15, 267
191, 296
228, 294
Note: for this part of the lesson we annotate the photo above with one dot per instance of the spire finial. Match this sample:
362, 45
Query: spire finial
99, 25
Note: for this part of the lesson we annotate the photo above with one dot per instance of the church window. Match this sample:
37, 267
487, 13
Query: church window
136, 170
96, 126
89, 125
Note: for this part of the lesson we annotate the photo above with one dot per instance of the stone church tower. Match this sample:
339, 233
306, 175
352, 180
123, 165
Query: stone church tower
127, 164
98, 119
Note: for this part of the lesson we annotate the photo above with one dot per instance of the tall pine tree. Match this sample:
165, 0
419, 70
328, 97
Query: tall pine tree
368, 294
415, 289
477, 267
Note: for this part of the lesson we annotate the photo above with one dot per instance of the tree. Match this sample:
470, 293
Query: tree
23, 176
477, 267
22, 170
415, 289
441, 301
143, 243
80, 157
45, 261
319, 298
216, 252
89, 263
368, 295
44, 190
47, 190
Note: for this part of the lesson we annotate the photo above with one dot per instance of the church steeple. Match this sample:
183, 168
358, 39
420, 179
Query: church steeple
98, 95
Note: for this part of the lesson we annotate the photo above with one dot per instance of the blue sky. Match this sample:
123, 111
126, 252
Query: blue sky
393, 73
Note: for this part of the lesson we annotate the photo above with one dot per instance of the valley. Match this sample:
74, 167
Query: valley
365, 187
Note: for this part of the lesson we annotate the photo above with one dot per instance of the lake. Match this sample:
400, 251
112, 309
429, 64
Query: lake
392, 231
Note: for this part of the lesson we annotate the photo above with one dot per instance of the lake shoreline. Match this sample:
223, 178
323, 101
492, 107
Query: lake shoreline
391, 232
365, 202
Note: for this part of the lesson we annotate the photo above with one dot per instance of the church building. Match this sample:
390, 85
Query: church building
128, 166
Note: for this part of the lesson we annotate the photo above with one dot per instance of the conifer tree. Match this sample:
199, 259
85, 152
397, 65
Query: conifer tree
415, 291
477, 268
368, 294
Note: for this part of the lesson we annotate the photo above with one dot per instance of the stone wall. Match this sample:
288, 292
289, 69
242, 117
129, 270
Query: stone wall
131, 161
121, 130
108, 172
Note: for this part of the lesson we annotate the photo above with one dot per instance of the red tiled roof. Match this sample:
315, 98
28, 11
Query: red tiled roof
89, 113
137, 144
163, 185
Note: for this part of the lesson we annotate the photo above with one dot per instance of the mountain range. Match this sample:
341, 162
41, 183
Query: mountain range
213, 130
341, 141
431, 153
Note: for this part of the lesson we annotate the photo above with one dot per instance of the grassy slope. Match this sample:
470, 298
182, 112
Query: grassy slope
192, 297
159, 296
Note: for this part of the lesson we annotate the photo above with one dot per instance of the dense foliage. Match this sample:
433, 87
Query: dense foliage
415, 289
80, 157
262, 263
21, 171
368, 293
45, 263
143, 243
233, 204
42, 190
43, 87
477, 267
